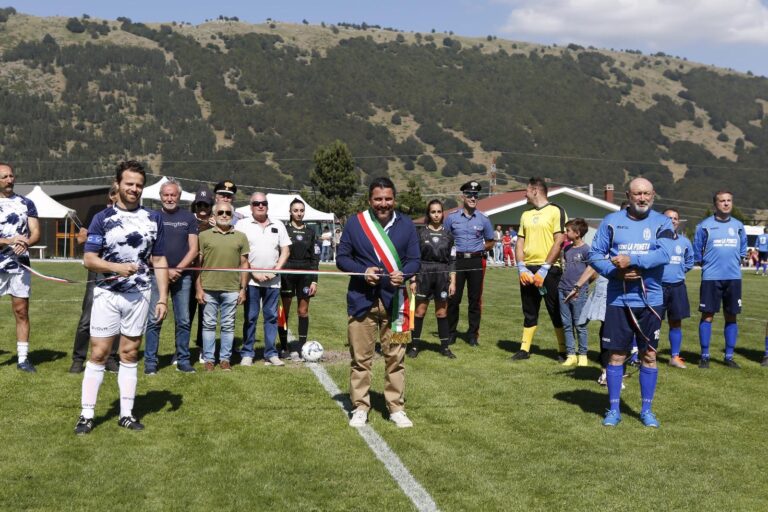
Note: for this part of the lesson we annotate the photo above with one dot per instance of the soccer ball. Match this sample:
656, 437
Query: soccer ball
312, 351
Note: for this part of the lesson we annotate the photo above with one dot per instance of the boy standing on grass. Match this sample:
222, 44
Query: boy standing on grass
575, 258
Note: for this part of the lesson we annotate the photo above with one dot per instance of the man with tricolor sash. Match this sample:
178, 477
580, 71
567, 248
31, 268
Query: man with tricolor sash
382, 246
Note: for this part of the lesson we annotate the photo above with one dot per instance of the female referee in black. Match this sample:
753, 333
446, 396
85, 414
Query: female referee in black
436, 279
305, 254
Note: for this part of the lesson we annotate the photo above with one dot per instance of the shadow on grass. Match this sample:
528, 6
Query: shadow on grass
148, 403
592, 402
378, 403
751, 354
584, 373
37, 357
509, 345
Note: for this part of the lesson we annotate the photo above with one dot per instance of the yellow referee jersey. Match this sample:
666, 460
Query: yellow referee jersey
538, 226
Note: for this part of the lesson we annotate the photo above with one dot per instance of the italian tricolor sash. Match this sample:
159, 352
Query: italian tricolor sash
402, 308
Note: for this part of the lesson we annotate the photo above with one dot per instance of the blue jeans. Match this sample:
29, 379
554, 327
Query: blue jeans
325, 253
179, 294
260, 298
498, 252
569, 314
226, 303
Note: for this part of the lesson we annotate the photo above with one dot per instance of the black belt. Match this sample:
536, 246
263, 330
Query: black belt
468, 255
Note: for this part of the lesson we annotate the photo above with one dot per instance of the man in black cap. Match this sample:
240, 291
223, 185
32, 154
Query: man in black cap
473, 234
225, 191
201, 208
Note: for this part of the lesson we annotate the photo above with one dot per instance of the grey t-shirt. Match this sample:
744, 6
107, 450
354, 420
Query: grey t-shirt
575, 259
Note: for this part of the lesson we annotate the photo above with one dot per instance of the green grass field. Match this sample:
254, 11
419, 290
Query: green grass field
489, 434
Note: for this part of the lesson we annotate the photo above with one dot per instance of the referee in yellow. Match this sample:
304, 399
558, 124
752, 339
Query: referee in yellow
540, 239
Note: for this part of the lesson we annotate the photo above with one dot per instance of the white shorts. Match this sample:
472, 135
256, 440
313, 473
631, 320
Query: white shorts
15, 285
119, 313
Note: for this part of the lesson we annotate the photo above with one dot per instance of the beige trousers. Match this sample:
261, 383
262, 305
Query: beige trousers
362, 333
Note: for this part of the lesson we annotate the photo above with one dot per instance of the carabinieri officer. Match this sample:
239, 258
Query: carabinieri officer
473, 234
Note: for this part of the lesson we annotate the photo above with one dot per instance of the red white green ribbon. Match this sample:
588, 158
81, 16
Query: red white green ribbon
401, 312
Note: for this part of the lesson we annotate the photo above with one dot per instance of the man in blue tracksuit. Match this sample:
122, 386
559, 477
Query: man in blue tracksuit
676, 306
628, 249
718, 246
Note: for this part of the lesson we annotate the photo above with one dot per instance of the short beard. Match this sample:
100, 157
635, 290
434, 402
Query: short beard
640, 211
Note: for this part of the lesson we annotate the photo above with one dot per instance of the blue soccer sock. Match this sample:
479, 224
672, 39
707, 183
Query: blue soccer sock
705, 335
731, 333
648, 378
766, 346
614, 373
675, 340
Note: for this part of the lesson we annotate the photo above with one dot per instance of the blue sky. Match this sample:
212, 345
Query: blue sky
726, 33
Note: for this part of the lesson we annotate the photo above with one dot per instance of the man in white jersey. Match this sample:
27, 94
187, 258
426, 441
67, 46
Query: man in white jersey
122, 241
19, 229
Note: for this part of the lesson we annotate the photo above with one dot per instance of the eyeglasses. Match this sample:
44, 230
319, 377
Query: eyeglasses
470, 195
259, 203
228, 213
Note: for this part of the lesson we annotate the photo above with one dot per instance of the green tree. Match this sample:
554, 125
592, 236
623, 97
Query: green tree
411, 201
334, 177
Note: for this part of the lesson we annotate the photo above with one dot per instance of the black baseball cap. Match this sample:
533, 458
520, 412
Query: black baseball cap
471, 186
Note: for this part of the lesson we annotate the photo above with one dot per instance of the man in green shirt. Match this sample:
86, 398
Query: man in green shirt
221, 292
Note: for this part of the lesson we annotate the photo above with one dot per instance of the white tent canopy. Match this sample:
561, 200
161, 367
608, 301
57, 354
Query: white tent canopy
153, 192
279, 205
47, 207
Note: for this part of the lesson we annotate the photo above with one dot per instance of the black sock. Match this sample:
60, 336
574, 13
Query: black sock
443, 331
282, 332
418, 324
303, 330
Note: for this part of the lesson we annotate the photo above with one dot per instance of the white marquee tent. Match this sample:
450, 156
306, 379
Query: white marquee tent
49, 208
153, 192
279, 207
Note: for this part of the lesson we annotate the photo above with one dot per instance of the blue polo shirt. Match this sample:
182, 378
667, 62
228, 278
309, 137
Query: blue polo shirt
470, 233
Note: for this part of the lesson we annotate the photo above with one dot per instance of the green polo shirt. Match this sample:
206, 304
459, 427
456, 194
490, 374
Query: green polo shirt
222, 250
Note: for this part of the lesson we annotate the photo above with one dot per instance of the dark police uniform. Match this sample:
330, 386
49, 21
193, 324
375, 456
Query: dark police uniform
470, 234
305, 254
437, 260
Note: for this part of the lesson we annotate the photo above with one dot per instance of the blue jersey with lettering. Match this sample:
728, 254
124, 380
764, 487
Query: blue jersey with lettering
762, 243
680, 259
640, 239
719, 246
126, 236
469, 233
15, 212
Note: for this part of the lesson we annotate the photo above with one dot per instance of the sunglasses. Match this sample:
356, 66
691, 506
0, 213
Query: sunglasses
228, 213
259, 203
202, 205
470, 195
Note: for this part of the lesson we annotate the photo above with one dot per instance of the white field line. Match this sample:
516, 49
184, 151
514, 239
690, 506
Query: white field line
413, 489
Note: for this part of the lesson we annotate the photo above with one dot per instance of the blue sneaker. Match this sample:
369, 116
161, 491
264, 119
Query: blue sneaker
612, 418
649, 419
184, 367
150, 369
26, 366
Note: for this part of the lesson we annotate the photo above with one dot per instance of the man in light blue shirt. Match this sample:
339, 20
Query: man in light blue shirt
718, 246
762, 252
628, 250
676, 306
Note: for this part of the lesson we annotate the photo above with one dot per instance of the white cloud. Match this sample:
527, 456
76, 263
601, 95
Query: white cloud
649, 23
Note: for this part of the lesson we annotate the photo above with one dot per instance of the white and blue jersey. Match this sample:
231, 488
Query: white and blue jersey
762, 243
126, 236
639, 239
680, 259
15, 212
719, 246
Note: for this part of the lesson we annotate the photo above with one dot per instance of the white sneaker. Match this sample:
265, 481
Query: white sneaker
273, 361
201, 358
400, 419
246, 361
295, 357
359, 418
